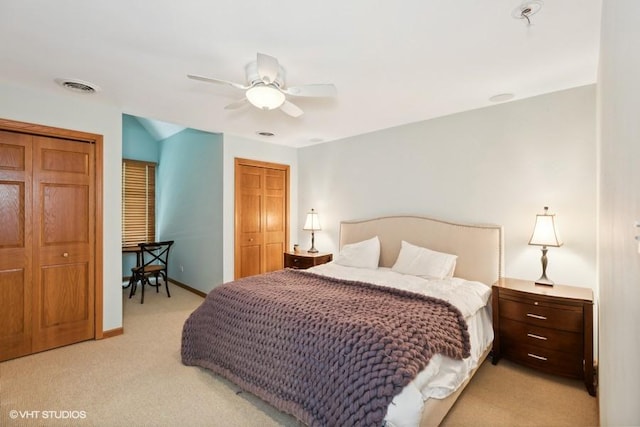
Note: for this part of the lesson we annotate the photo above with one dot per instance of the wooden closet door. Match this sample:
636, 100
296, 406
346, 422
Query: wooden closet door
64, 241
261, 217
249, 206
275, 219
15, 245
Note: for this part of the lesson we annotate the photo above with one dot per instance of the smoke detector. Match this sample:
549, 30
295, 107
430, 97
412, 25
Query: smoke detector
79, 86
527, 9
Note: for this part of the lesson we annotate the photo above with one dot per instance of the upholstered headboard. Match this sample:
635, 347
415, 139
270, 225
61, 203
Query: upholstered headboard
479, 247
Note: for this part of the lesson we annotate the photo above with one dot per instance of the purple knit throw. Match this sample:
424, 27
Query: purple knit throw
330, 352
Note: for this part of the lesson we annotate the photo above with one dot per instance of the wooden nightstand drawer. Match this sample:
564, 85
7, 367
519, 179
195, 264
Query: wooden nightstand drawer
553, 339
305, 260
563, 317
544, 359
293, 261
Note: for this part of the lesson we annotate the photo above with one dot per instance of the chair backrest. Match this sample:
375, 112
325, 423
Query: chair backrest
155, 253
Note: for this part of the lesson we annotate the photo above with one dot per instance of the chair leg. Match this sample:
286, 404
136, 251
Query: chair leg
166, 284
142, 285
157, 283
128, 284
134, 284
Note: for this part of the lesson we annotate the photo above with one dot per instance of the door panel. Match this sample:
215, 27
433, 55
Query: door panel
65, 214
250, 215
64, 278
274, 256
64, 289
15, 245
252, 260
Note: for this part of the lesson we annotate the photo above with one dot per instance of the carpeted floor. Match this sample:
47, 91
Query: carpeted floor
137, 379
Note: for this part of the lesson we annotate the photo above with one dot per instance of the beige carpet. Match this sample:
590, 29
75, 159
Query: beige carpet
137, 379
510, 395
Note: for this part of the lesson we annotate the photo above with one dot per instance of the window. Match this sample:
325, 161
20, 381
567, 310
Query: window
138, 202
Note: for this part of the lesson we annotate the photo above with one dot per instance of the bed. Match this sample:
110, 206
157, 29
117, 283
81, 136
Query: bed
304, 342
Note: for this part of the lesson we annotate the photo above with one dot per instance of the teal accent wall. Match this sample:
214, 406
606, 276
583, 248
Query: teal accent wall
189, 190
137, 143
189, 206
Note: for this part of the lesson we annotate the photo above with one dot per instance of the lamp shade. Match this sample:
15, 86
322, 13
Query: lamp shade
544, 231
265, 97
313, 221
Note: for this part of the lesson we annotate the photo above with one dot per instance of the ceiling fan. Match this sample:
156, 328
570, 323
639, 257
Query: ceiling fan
266, 87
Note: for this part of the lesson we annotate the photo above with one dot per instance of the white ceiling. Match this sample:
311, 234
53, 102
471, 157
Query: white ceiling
392, 62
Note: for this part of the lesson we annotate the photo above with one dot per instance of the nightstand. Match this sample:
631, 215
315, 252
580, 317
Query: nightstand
305, 259
549, 328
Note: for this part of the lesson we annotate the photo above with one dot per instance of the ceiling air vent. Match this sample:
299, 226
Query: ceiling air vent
76, 85
266, 134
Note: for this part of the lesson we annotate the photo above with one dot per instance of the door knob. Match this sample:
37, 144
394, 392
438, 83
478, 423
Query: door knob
66, 254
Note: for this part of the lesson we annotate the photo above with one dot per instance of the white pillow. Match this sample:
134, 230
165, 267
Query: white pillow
365, 254
423, 262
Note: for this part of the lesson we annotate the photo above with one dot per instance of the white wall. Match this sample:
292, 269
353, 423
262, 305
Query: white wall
500, 164
235, 146
619, 104
80, 112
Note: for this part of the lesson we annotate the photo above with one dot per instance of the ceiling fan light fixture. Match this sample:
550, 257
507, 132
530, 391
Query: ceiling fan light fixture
265, 97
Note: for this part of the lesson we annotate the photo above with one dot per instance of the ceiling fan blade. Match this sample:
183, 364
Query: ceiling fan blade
314, 90
238, 104
291, 109
268, 68
219, 81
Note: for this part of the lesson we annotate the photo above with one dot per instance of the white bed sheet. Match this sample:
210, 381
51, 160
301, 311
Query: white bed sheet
443, 375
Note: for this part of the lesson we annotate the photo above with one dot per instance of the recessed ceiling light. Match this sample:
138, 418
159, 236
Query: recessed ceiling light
79, 86
265, 134
502, 97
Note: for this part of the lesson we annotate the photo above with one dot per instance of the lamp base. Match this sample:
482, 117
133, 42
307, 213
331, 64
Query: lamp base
313, 249
544, 281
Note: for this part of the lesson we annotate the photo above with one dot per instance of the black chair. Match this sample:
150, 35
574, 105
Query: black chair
154, 261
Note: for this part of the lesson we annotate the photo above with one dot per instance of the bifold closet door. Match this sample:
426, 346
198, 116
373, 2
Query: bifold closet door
63, 242
261, 217
15, 244
47, 241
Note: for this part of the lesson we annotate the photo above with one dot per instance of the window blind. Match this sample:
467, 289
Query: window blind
138, 202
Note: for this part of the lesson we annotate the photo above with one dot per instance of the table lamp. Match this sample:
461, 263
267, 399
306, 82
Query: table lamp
545, 234
312, 224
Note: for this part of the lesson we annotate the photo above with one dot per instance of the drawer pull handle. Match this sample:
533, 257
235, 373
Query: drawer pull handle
536, 316
538, 337
535, 356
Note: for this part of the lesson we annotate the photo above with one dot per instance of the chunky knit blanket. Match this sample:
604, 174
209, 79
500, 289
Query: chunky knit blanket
330, 352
